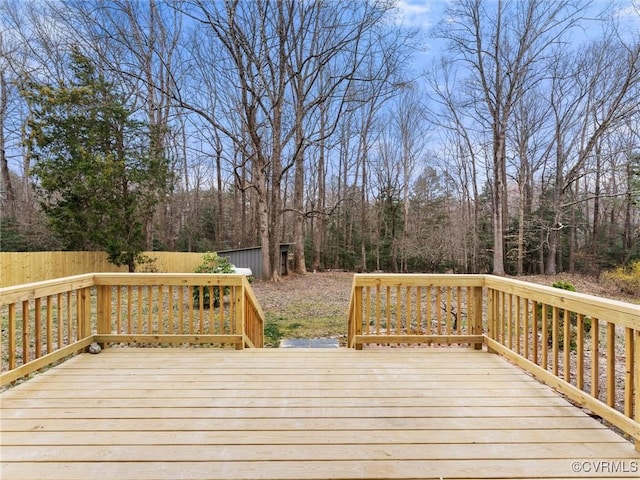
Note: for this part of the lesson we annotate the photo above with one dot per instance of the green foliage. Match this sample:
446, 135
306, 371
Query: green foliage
146, 264
634, 178
97, 181
564, 285
211, 263
272, 334
626, 278
11, 238
573, 319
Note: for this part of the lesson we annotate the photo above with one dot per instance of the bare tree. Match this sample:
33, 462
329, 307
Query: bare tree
137, 43
411, 128
587, 102
33, 47
8, 199
286, 61
502, 44
447, 112
530, 140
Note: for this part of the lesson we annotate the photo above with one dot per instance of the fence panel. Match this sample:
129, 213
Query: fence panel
18, 268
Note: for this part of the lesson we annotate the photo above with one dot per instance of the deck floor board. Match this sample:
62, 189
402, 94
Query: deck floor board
156, 413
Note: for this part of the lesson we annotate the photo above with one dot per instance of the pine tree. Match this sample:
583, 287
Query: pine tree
97, 181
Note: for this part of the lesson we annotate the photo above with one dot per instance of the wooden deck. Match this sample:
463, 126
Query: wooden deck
165, 413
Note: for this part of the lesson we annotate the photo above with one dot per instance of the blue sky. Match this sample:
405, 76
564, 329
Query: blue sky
425, 14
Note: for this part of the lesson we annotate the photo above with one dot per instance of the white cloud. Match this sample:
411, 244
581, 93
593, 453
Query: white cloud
418, 13
630, 13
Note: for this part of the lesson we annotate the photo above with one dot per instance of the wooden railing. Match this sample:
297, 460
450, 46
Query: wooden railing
409, 309
45, 321
586, 347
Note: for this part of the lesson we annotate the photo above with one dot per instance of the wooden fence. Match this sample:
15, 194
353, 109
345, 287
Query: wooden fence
17, 268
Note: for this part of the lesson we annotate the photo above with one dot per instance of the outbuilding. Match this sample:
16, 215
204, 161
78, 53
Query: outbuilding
252, 258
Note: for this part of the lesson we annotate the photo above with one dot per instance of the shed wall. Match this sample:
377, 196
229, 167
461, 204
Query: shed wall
247, 258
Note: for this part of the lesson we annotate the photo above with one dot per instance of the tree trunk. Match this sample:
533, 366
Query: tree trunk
521, 207
363, 212
320, 222
220, 240
499, 194
263, 222
595, 232
299, 265
10, 200
628, 230
573, 234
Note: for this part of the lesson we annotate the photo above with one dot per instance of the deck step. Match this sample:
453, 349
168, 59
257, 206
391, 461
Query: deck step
309, 343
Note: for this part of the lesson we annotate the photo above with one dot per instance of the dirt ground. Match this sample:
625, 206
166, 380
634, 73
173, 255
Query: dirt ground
326, 288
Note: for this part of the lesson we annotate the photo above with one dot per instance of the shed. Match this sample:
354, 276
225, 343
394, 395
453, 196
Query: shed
252, 258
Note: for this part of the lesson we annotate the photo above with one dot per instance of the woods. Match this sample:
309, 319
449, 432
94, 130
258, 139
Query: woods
512, 147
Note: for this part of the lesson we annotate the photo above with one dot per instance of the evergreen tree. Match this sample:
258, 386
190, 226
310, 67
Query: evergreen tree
97, 182
634, 179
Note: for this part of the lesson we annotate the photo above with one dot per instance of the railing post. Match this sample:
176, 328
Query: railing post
491, 315
357, 315
103, 311
12, 336
84, 310
240, 314
476, 315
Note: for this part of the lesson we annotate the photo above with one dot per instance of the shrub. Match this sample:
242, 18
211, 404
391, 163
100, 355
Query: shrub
625, 278
564, 285
272, 334
573, 318
211, 263
146, 264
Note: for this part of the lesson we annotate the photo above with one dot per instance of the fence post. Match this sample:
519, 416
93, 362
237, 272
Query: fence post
84, 312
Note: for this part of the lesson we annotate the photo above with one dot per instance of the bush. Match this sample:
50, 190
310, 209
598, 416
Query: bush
146, 264
626, 278
573, 318
272, 334
211, 263
564, 285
